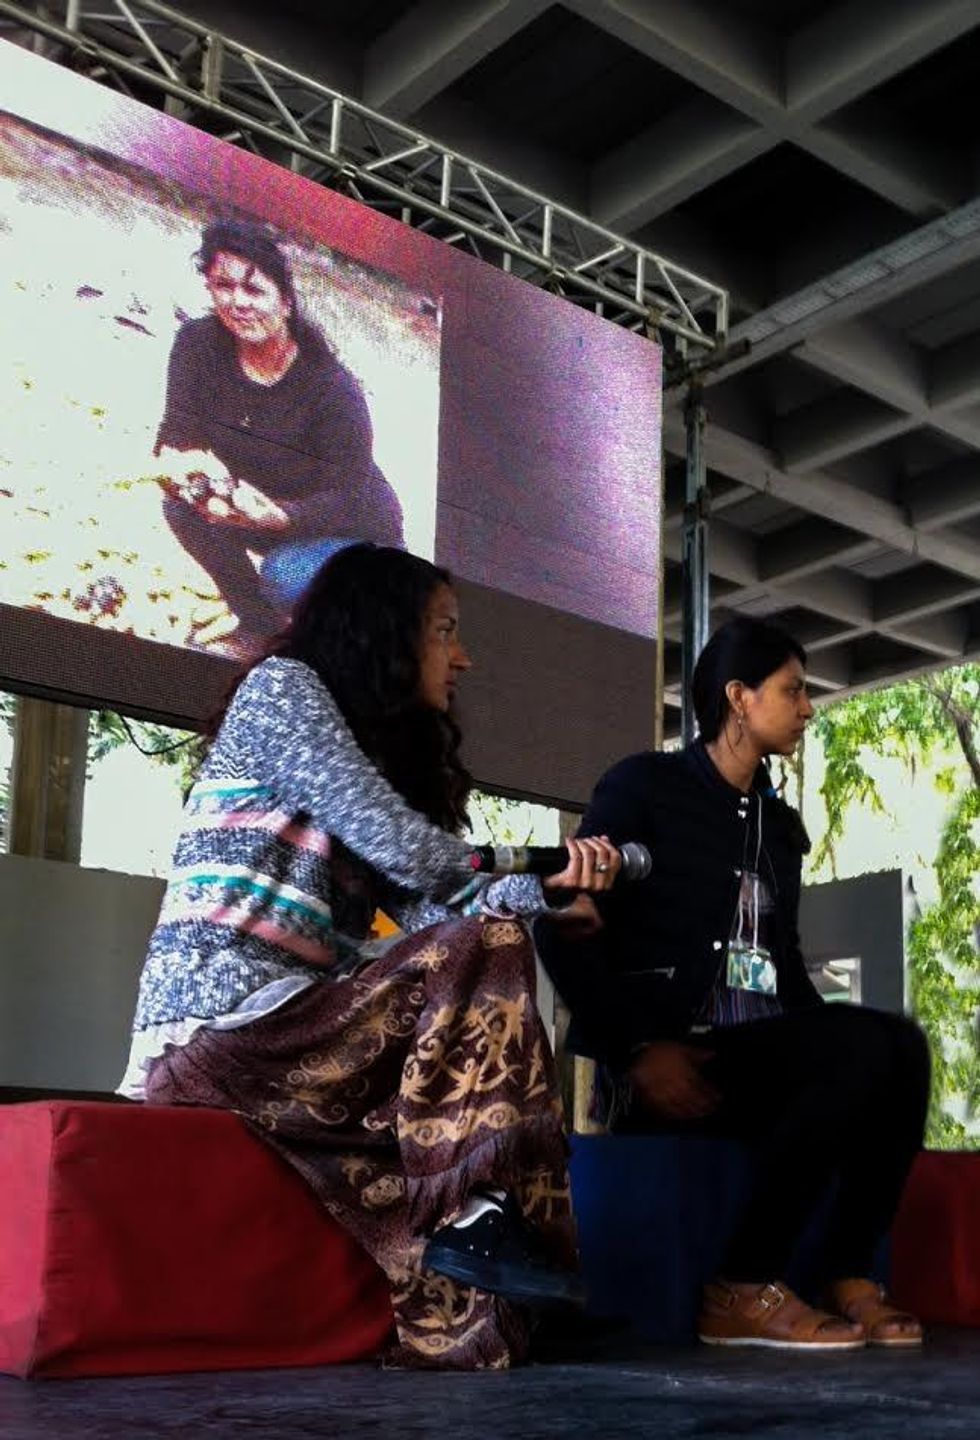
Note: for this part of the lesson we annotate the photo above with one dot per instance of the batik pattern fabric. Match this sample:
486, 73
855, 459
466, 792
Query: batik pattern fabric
396, 1092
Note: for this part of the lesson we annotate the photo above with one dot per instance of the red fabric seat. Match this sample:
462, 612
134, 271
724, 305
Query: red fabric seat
935, 1249
142, 1239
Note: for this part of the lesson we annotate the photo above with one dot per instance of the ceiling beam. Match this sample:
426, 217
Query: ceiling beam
868, 148
809, 547
838, 594
657, 170
758, 467
883, 365
741, 66
833, 594
732, 553
875, 676
946, 495
707, 253
954, 378
722, 54
863, 285
507, 149
434, 44
944, 633
720, 501
317, 49
854, 49
901, 598
834, 426
833, 666
874, 360
818, 493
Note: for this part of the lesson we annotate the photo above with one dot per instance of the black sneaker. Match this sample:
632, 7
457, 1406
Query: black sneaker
498, 1252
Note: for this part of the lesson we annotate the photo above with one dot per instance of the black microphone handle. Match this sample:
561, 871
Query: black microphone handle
551, 860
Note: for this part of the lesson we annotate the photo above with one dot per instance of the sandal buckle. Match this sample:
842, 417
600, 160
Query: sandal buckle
771, 1296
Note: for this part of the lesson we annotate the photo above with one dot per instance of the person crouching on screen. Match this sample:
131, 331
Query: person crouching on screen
266, 441
412, 1087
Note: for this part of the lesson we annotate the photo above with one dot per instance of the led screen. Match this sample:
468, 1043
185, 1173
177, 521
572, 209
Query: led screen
213, 372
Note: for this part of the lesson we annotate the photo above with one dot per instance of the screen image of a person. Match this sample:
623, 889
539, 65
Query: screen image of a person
696, 999
410, 1083
265, 444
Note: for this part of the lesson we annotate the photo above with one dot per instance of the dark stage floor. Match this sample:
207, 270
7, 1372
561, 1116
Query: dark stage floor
697, 1393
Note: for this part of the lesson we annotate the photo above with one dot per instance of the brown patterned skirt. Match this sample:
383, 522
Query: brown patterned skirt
396, 1092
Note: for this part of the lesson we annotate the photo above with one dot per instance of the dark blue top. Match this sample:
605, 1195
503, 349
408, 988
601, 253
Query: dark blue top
650, 973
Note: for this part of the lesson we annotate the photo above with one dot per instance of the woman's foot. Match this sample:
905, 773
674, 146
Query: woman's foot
865, 1302
770, 1315
499, 1252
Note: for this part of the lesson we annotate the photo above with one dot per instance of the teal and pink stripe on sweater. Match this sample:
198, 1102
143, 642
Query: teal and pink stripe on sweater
270, 822
215, 805
242, 899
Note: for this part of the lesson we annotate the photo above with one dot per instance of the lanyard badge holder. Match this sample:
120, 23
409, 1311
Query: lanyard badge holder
749, 965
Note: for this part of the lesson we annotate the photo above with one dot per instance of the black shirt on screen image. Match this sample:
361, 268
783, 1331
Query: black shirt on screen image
305, 441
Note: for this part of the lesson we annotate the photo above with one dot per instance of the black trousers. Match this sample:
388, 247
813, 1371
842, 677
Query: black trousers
837, 1092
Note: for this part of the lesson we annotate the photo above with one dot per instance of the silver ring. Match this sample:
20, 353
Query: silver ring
602, 867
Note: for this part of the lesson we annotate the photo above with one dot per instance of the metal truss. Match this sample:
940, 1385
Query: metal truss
329, 138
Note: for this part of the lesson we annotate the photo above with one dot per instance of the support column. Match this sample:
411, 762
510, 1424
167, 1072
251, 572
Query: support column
47, 780
695, 552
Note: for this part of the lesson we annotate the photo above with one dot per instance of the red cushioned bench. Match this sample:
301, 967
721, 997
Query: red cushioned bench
142, 1239
935, 1241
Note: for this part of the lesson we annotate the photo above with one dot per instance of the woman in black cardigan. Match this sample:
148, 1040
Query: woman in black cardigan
696, 996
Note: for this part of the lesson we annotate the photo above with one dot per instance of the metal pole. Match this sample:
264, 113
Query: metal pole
695, 552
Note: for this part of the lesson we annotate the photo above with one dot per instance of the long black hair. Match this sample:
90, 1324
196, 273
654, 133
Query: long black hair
359, 625
261, 247
742, 649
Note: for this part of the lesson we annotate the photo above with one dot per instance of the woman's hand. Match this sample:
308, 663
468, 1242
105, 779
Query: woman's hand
254, 508
667, 1078
593, 864
193, 475
198, 478
579, 920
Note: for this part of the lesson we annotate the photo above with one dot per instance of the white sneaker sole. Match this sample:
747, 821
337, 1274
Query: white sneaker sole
760, 1342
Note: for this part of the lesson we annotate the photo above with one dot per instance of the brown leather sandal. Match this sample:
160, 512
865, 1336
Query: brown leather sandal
866, 1302
771, 1316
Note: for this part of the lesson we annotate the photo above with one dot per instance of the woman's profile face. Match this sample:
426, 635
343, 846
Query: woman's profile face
442, 657
777, 710
247, 302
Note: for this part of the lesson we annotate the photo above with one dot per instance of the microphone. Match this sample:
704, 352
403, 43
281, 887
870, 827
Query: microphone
552, 859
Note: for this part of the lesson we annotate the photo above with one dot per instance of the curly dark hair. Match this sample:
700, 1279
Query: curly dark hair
359, 626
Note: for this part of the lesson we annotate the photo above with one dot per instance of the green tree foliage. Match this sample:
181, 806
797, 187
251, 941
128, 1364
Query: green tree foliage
505, 820
177, 749
106, 732
180, 751
916, 722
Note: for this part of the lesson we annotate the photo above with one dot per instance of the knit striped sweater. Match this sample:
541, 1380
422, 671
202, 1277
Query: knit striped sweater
290, 836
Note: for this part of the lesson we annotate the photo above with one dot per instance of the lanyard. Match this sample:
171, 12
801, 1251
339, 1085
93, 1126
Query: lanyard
754, 905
